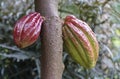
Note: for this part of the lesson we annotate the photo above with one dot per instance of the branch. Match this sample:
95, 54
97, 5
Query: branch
51, 59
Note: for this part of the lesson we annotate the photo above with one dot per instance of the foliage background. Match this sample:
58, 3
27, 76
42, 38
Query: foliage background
103, 16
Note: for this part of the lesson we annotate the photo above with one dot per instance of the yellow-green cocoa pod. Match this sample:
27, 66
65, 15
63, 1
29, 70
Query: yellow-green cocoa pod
80, 42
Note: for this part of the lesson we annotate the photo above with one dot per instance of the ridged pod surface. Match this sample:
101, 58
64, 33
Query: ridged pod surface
80, 42
27, 29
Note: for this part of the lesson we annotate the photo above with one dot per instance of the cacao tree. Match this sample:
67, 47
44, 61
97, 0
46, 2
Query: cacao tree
25, 63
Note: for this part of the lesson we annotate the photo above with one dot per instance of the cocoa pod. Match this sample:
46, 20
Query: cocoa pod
80, 42
27, 29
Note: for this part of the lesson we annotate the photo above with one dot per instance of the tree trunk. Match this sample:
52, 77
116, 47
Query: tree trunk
51, 38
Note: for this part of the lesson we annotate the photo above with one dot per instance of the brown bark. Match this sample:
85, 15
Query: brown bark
51, 37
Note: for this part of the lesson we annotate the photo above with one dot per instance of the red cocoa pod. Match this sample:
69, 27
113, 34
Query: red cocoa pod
80, 42
27, 29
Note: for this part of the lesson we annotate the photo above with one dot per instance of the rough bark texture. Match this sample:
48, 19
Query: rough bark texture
51, 60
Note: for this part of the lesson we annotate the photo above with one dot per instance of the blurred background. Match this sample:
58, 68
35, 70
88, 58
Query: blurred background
103, 16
